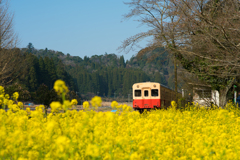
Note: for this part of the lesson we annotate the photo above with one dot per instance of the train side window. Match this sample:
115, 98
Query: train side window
137, 93
146, 93
154, 92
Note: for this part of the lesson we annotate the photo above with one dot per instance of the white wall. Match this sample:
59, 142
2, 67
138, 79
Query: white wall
215, 97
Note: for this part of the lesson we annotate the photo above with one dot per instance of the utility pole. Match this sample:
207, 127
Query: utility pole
175, 76
235, 93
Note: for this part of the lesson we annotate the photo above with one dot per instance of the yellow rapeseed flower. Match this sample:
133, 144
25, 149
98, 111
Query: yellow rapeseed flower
15, 107
135, 156
159, 134
92, 150
74, 102
5, 101
62, 143
2, 90
55, 106
96, 101
174, 104
33, 154
85, 104
10, 102
66, 105
15, 96
7, 96
20, 105
28, 110
126, 107
114, 104
60, 87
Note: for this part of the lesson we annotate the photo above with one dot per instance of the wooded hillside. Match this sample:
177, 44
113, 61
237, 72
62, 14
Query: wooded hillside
105, 75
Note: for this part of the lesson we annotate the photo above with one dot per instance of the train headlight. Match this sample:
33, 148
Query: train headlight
137, 86
154, 85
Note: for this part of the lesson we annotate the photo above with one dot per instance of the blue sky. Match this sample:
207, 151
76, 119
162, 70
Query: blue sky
78, 27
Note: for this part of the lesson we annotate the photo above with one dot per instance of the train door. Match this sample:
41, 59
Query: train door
163, 97
137, 101
146, 97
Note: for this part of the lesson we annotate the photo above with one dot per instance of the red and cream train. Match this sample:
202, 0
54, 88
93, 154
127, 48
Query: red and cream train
151, 95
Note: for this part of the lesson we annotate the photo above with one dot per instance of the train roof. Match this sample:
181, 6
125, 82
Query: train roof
153, 82
157, 83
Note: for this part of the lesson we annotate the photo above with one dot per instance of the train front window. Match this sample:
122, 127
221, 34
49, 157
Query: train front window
137, 93
146, 93
154, 92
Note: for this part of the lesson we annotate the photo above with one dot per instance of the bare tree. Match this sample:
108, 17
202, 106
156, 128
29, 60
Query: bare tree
202, 34
154, 15
10, 58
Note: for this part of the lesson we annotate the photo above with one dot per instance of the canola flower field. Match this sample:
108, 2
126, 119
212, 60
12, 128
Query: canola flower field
193, 133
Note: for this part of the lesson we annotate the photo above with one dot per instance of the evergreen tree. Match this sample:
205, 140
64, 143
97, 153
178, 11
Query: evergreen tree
52, 72
30, 48
110, 88
32, 79
120, 80
115, 79
89, 84
60, 71
126, 83
104, 84
122, 62
160, 79
47, 78
46, 96
84, 83
79, 82
171, 82
95, 83
42, 71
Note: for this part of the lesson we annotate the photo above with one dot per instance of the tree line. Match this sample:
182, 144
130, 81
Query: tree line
104, 75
